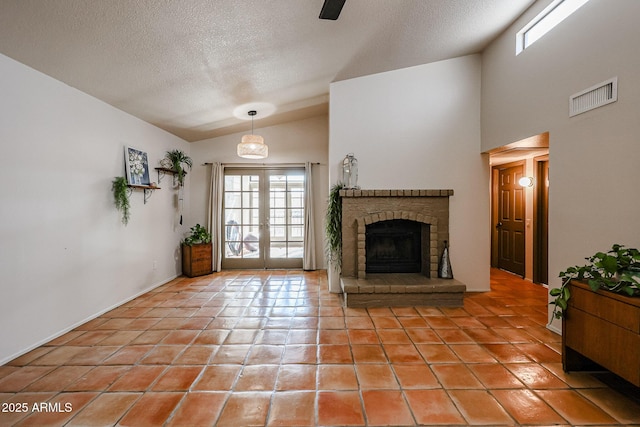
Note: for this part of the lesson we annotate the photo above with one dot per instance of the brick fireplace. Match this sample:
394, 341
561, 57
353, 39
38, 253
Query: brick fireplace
364, 210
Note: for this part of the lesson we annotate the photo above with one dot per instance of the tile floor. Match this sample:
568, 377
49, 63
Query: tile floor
243, 348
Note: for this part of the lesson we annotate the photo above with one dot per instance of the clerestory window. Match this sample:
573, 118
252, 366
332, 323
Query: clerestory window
546, 20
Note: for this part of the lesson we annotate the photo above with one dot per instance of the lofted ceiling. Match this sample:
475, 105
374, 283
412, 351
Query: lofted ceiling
195, 67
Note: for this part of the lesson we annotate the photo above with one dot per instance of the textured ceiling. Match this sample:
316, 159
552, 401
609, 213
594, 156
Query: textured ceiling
187, 65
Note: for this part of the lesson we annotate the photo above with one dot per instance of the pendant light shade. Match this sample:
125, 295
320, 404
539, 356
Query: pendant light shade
252, 146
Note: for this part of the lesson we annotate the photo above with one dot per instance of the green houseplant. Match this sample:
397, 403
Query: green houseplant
617, 270
120, 190
333, 226
178, 161
197, 256
198, 235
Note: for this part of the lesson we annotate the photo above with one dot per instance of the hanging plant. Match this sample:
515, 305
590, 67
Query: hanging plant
617, 270
178, 161
121, 197
334, 226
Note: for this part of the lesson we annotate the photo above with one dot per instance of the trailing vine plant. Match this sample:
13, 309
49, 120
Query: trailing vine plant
617, 270
333, 226
121, 197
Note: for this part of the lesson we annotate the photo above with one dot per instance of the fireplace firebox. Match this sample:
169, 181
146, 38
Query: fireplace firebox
394, 246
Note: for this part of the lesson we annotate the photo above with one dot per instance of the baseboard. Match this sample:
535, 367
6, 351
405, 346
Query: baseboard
553, 328
93, 316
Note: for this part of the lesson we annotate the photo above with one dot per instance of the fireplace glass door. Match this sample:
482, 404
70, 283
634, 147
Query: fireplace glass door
394, 246
263, 218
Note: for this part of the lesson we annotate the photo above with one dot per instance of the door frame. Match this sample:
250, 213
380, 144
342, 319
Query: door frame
264, 260
541, 220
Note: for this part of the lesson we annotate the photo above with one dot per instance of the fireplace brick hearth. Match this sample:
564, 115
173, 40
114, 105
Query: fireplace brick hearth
427, 207
401, 290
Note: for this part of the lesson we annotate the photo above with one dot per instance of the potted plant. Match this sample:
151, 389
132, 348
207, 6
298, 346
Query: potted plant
198, 235
197, 252
333, 230
617, 270
177, 161
120, 190
600, 327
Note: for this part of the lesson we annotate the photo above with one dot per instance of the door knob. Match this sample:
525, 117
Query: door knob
499, 225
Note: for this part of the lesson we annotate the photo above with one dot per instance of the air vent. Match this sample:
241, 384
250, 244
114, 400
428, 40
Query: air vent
594, 97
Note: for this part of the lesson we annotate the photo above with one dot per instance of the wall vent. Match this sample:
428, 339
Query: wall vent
596, 96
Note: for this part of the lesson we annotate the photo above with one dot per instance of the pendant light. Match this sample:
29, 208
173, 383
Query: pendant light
252, 146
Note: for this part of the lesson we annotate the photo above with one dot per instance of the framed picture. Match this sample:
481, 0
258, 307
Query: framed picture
136, 166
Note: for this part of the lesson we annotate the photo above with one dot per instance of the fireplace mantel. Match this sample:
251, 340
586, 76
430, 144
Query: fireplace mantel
363, 207
396, 193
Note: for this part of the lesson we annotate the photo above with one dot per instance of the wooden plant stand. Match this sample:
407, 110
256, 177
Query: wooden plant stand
602, 330
196, 260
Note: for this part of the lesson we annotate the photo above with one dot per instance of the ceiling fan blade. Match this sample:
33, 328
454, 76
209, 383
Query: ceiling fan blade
331, 9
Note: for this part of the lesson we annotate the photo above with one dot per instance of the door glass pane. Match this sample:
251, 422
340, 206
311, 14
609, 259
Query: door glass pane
232, 183
296, 216
278, 216
250, 182
232, 199
250, 244
250, 217
278, 234
233, 244
294, 250
297, 197
296, 233
232, 216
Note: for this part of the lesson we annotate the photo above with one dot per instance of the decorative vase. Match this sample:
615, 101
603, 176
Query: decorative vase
444, 269
350, 171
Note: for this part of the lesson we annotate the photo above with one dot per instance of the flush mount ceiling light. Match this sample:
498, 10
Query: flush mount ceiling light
252, 146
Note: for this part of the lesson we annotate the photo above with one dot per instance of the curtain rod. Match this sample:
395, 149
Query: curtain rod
244, 165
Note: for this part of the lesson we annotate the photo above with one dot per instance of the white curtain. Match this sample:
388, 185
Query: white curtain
214, 217
309, 260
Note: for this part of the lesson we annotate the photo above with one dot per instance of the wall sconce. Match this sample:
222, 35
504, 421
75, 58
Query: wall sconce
526, 181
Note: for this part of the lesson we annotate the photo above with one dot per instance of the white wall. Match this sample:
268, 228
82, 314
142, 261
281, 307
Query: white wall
65, 257
593, 157
294, 142
419, 128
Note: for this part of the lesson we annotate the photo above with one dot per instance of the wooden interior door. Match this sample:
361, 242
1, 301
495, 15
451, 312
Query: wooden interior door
510, 224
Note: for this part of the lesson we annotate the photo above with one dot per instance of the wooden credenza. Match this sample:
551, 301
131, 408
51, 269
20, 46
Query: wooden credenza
603, 328
197, 260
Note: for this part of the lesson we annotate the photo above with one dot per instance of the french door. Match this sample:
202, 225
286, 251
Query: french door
263, 218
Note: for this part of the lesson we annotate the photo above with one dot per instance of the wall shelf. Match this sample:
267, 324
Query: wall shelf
164, 171
147, 190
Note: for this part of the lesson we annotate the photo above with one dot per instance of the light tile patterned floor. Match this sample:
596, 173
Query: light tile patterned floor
274, 348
